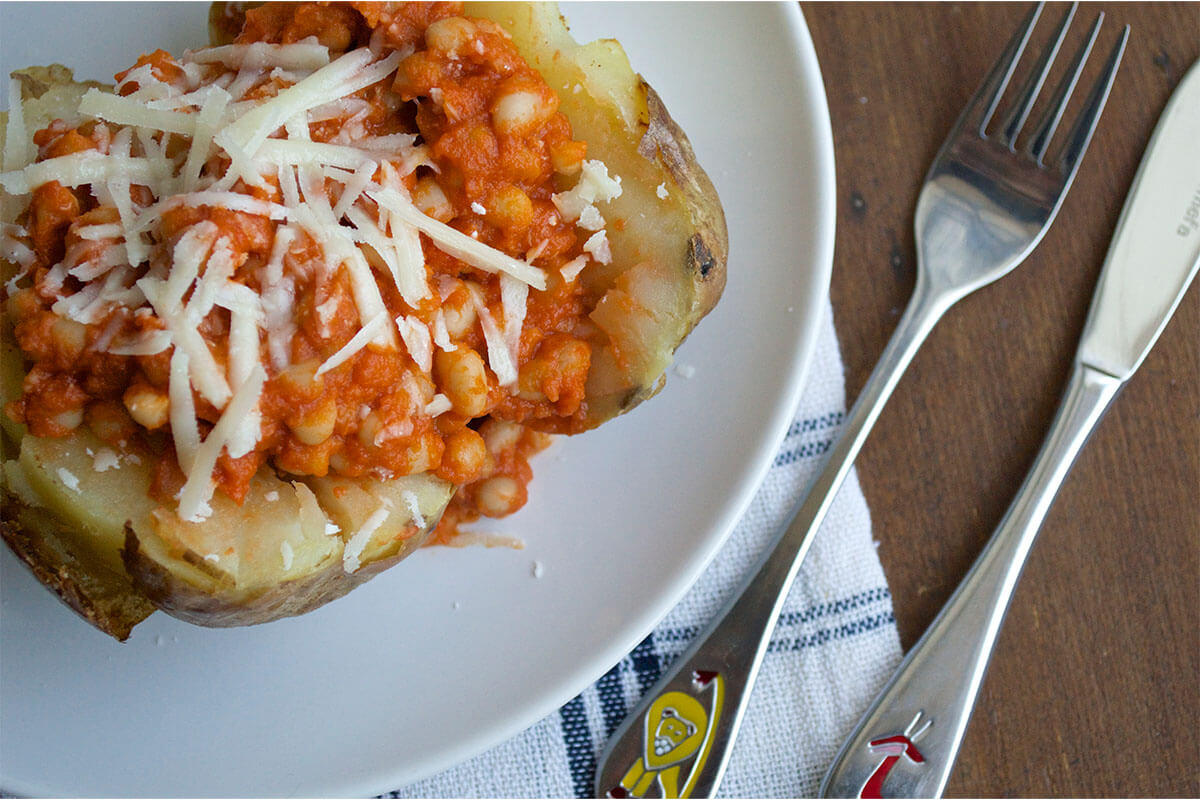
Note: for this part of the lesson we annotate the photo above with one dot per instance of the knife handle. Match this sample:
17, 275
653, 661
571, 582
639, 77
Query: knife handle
906, 743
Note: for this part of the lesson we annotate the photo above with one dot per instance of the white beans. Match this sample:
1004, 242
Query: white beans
499, 496
148, 406
316, 425
461, 376
70, 337
522, 109
451, 35
428, 196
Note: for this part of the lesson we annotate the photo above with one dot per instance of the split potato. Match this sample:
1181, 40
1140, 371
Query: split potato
78, 513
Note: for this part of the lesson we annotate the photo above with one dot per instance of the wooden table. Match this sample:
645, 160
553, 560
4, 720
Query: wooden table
1094, 688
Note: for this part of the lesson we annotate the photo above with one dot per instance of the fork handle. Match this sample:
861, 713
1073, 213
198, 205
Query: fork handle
906, 743
704, 693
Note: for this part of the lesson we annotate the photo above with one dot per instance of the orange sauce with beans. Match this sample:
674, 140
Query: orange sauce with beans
498, 149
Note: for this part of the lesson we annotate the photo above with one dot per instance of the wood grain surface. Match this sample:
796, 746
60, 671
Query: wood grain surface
1093, 689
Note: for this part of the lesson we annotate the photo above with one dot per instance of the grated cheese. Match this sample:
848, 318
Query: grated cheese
406, 267
18, 148
355, 184
263, 55
513, 296
278, 301
126, 111
594, 185
208, 122
96, 233
13, 249
301, 151
104, 460
339, 78
68, 478
570, 270
89, 166
456, 243
439, 405
417, 339
182, 411
351, 556
590, 219
597, 245
357, 342
147, 343
441, 335
198, 489
499, 356
413, 504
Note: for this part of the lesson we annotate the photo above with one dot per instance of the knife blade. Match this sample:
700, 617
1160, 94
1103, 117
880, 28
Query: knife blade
1155, 249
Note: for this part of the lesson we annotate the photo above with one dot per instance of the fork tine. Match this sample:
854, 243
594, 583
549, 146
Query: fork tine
983, 103
1062, 94
1081, 131
1011, 126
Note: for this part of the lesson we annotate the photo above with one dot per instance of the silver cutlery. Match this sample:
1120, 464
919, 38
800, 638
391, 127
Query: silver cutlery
984, 206
905, 745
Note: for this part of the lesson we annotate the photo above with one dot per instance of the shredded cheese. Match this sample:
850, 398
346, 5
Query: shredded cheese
18, 148
352, 555
198, 489
89, 166
500, 358
417, 339
263, 55
357, 342
597, 245
68, 479
413, 504
456, 243
125, 111
339, 78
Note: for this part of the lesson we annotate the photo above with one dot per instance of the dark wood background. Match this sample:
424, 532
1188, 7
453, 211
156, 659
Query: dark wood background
1094, 688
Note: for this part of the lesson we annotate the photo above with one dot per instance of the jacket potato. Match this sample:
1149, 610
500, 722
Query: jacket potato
87, 512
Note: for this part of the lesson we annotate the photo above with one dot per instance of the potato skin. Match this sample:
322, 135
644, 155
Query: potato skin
104, 598
708, 249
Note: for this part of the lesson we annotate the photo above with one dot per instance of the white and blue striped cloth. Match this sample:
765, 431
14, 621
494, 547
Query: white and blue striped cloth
835, 645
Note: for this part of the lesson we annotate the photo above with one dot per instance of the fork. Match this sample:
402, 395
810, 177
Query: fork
985, 204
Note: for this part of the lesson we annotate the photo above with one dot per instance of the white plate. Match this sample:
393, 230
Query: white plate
456, 650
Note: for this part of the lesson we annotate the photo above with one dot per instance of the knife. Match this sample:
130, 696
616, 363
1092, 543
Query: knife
906, 743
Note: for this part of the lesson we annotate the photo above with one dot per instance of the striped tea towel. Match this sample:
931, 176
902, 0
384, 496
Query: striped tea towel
834, 647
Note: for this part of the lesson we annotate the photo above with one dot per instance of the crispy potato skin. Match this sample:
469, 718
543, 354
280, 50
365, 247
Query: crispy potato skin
104, 598
708, 249
695, 266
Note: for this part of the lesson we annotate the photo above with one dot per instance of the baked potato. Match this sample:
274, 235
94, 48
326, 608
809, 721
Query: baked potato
88, 515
